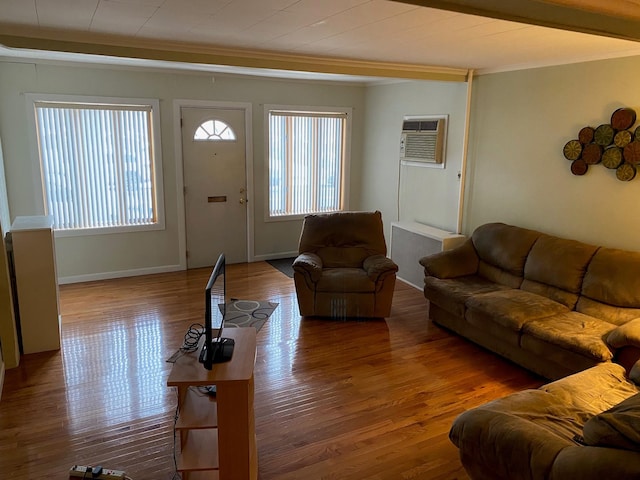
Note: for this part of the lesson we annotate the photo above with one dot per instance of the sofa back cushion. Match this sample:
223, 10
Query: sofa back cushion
343, 239
608, 313
611, 286
555, 268
502, 250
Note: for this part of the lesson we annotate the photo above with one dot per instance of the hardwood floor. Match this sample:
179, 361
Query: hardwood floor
347, 400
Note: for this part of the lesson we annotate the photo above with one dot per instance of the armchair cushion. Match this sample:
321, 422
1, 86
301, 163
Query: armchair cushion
339, 280
343, 239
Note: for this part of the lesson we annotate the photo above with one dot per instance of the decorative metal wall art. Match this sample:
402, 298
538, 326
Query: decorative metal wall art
613, 144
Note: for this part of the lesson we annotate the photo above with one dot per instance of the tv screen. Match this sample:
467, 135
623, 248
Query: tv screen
216, 348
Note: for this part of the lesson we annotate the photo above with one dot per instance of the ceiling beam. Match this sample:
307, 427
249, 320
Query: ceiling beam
112, 46
606, 20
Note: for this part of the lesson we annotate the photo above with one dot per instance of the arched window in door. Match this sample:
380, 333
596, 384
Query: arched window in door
213, 131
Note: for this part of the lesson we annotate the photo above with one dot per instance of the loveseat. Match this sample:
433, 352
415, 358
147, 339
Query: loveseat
582, 427
546, 303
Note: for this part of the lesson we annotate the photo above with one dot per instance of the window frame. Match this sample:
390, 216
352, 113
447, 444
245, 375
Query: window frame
346, 164
156, 158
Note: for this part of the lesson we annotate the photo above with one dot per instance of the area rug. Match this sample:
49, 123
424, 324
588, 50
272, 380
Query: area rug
285, 265
248, 313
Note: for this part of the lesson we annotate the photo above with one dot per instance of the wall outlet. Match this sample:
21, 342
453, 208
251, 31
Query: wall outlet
88, 472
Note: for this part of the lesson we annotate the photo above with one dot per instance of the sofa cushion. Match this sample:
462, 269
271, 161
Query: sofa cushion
556, 294
612, 278
497, 275
593, 390
573, 331
451, 294
608, 313
618, 427
504, 246
558, 262
510, 308
555, 268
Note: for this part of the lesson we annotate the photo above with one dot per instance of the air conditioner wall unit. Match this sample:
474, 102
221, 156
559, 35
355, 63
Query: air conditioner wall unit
423, 140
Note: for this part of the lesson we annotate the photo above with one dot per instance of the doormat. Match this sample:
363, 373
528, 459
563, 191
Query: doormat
248, 313
285, 265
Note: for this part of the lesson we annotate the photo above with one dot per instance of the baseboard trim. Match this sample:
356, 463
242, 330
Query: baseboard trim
91, 277
409, 283
274, 256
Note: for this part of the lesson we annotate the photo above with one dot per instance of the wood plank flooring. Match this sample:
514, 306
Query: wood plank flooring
347, 400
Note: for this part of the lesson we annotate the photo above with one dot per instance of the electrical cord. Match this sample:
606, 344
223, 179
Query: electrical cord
190, 343
192, 337
176, 476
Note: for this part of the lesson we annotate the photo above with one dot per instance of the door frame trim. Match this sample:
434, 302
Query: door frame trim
178, 104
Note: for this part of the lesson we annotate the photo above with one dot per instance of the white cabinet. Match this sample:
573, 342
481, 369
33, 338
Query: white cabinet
34, 260
410, 241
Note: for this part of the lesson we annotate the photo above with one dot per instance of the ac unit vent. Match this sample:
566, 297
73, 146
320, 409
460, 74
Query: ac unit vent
423, 140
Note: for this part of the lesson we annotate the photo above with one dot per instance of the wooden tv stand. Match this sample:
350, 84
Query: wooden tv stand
217, 434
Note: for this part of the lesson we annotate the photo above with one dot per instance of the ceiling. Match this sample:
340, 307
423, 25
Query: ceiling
376, 38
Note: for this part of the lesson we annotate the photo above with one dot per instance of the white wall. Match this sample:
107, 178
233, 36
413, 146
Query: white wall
117, 254
426, 195
517, 172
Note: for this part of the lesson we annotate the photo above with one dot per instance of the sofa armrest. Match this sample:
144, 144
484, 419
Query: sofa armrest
308, 264
378, 267
625, 335
457, 262
503, 446
626, 340
595, 463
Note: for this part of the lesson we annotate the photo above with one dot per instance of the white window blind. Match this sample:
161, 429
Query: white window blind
306, 162
97, 164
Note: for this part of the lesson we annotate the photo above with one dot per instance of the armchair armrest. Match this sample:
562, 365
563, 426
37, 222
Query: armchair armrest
308, 264
457, 262
378, 267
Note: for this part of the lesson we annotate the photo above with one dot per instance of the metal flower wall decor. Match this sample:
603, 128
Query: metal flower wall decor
615, 145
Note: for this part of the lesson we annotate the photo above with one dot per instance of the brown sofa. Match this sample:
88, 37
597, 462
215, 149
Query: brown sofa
342, 269
582, 427
544, 302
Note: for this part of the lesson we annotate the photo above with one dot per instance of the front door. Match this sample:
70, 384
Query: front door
213, 150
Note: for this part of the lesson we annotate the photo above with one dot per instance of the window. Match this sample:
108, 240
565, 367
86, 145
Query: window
308, 160
214, 130
100, 163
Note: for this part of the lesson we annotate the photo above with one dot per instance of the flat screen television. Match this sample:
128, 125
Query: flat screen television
215, 349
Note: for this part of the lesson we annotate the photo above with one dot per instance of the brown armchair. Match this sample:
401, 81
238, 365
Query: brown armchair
342, 269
